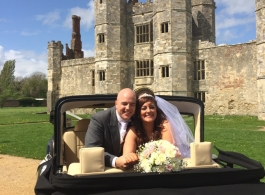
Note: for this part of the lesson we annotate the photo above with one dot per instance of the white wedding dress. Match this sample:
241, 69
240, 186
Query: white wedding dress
182, 135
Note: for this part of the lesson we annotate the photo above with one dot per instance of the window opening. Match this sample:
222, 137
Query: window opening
93, 77
144, 33
164, 27
200, 96
102, 75
199, 70
165, 71
144, 68
101, 38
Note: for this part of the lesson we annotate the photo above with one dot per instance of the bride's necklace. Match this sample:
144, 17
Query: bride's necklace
151, 136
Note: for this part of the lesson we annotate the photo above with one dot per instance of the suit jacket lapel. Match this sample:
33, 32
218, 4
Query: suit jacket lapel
114, 132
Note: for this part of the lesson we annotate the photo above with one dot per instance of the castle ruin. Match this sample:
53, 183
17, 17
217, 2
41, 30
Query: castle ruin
168, 46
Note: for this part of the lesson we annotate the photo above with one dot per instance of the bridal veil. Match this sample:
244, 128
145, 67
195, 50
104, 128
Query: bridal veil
181, 133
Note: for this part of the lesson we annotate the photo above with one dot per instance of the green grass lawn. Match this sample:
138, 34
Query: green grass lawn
23, 115
27, 140
25, 132
242, 134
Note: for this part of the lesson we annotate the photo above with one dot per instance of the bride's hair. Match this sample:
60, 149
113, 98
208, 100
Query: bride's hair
145, 96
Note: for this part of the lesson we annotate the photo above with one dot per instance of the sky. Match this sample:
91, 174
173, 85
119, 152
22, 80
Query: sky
26, 27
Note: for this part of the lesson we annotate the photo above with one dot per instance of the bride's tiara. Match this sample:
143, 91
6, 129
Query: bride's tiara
145, 95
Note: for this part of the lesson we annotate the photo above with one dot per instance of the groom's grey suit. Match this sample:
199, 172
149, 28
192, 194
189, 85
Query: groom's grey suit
103, 131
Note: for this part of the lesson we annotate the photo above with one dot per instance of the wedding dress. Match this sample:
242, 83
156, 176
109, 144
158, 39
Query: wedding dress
181, 133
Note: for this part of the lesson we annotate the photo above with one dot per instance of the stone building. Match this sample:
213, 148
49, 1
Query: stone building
168, 46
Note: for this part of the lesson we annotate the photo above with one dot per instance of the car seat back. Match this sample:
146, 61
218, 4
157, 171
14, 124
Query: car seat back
74, 140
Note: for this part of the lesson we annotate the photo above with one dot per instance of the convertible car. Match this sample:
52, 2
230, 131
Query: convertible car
69, 168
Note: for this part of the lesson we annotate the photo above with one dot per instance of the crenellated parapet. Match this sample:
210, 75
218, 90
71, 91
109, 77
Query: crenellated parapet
55, 54
54, 44
141, 8
202, 2
132, 1
78, 62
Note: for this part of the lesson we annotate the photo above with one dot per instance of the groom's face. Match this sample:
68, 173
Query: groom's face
125, 105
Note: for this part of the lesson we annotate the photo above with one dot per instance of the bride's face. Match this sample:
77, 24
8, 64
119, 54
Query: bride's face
148, 112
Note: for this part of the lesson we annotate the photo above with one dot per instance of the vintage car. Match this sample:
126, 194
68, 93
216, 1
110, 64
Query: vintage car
69, 168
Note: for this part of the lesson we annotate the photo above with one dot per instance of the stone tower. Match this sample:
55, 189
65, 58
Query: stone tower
55, 53
260, 41
172, 46
203, 23
111, 71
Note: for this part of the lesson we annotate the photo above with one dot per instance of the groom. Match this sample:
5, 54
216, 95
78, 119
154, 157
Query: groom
107, 129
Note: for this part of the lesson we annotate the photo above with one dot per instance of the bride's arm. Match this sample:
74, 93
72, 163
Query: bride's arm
166, 132
130, 144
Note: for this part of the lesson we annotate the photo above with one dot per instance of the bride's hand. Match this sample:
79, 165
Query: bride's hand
131, 158
126, 161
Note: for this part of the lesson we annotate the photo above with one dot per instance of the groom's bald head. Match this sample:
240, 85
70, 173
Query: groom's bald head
125, 103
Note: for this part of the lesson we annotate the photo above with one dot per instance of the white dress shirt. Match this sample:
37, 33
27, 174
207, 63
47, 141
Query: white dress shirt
122, 128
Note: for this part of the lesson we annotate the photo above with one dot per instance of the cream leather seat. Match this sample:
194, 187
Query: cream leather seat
74, 140
92, 163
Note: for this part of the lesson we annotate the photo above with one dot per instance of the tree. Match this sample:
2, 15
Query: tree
35, 86
18, 84
7, 74
7, 81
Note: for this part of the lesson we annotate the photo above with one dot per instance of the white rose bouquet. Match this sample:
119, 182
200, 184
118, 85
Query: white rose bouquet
158, 156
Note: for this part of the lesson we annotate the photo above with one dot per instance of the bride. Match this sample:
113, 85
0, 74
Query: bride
157, 119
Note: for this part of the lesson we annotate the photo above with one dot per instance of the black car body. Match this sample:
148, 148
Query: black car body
54, 176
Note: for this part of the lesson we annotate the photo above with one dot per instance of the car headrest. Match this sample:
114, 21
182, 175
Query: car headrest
82, 125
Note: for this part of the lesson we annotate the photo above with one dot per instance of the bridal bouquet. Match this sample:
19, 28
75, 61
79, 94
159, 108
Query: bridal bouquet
158, 156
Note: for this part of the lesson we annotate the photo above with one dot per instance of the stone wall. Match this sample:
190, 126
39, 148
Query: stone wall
230, 79
76, 77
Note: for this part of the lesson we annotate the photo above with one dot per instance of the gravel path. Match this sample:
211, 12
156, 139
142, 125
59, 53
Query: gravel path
17, 175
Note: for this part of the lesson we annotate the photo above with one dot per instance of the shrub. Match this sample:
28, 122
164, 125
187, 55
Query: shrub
28, 101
